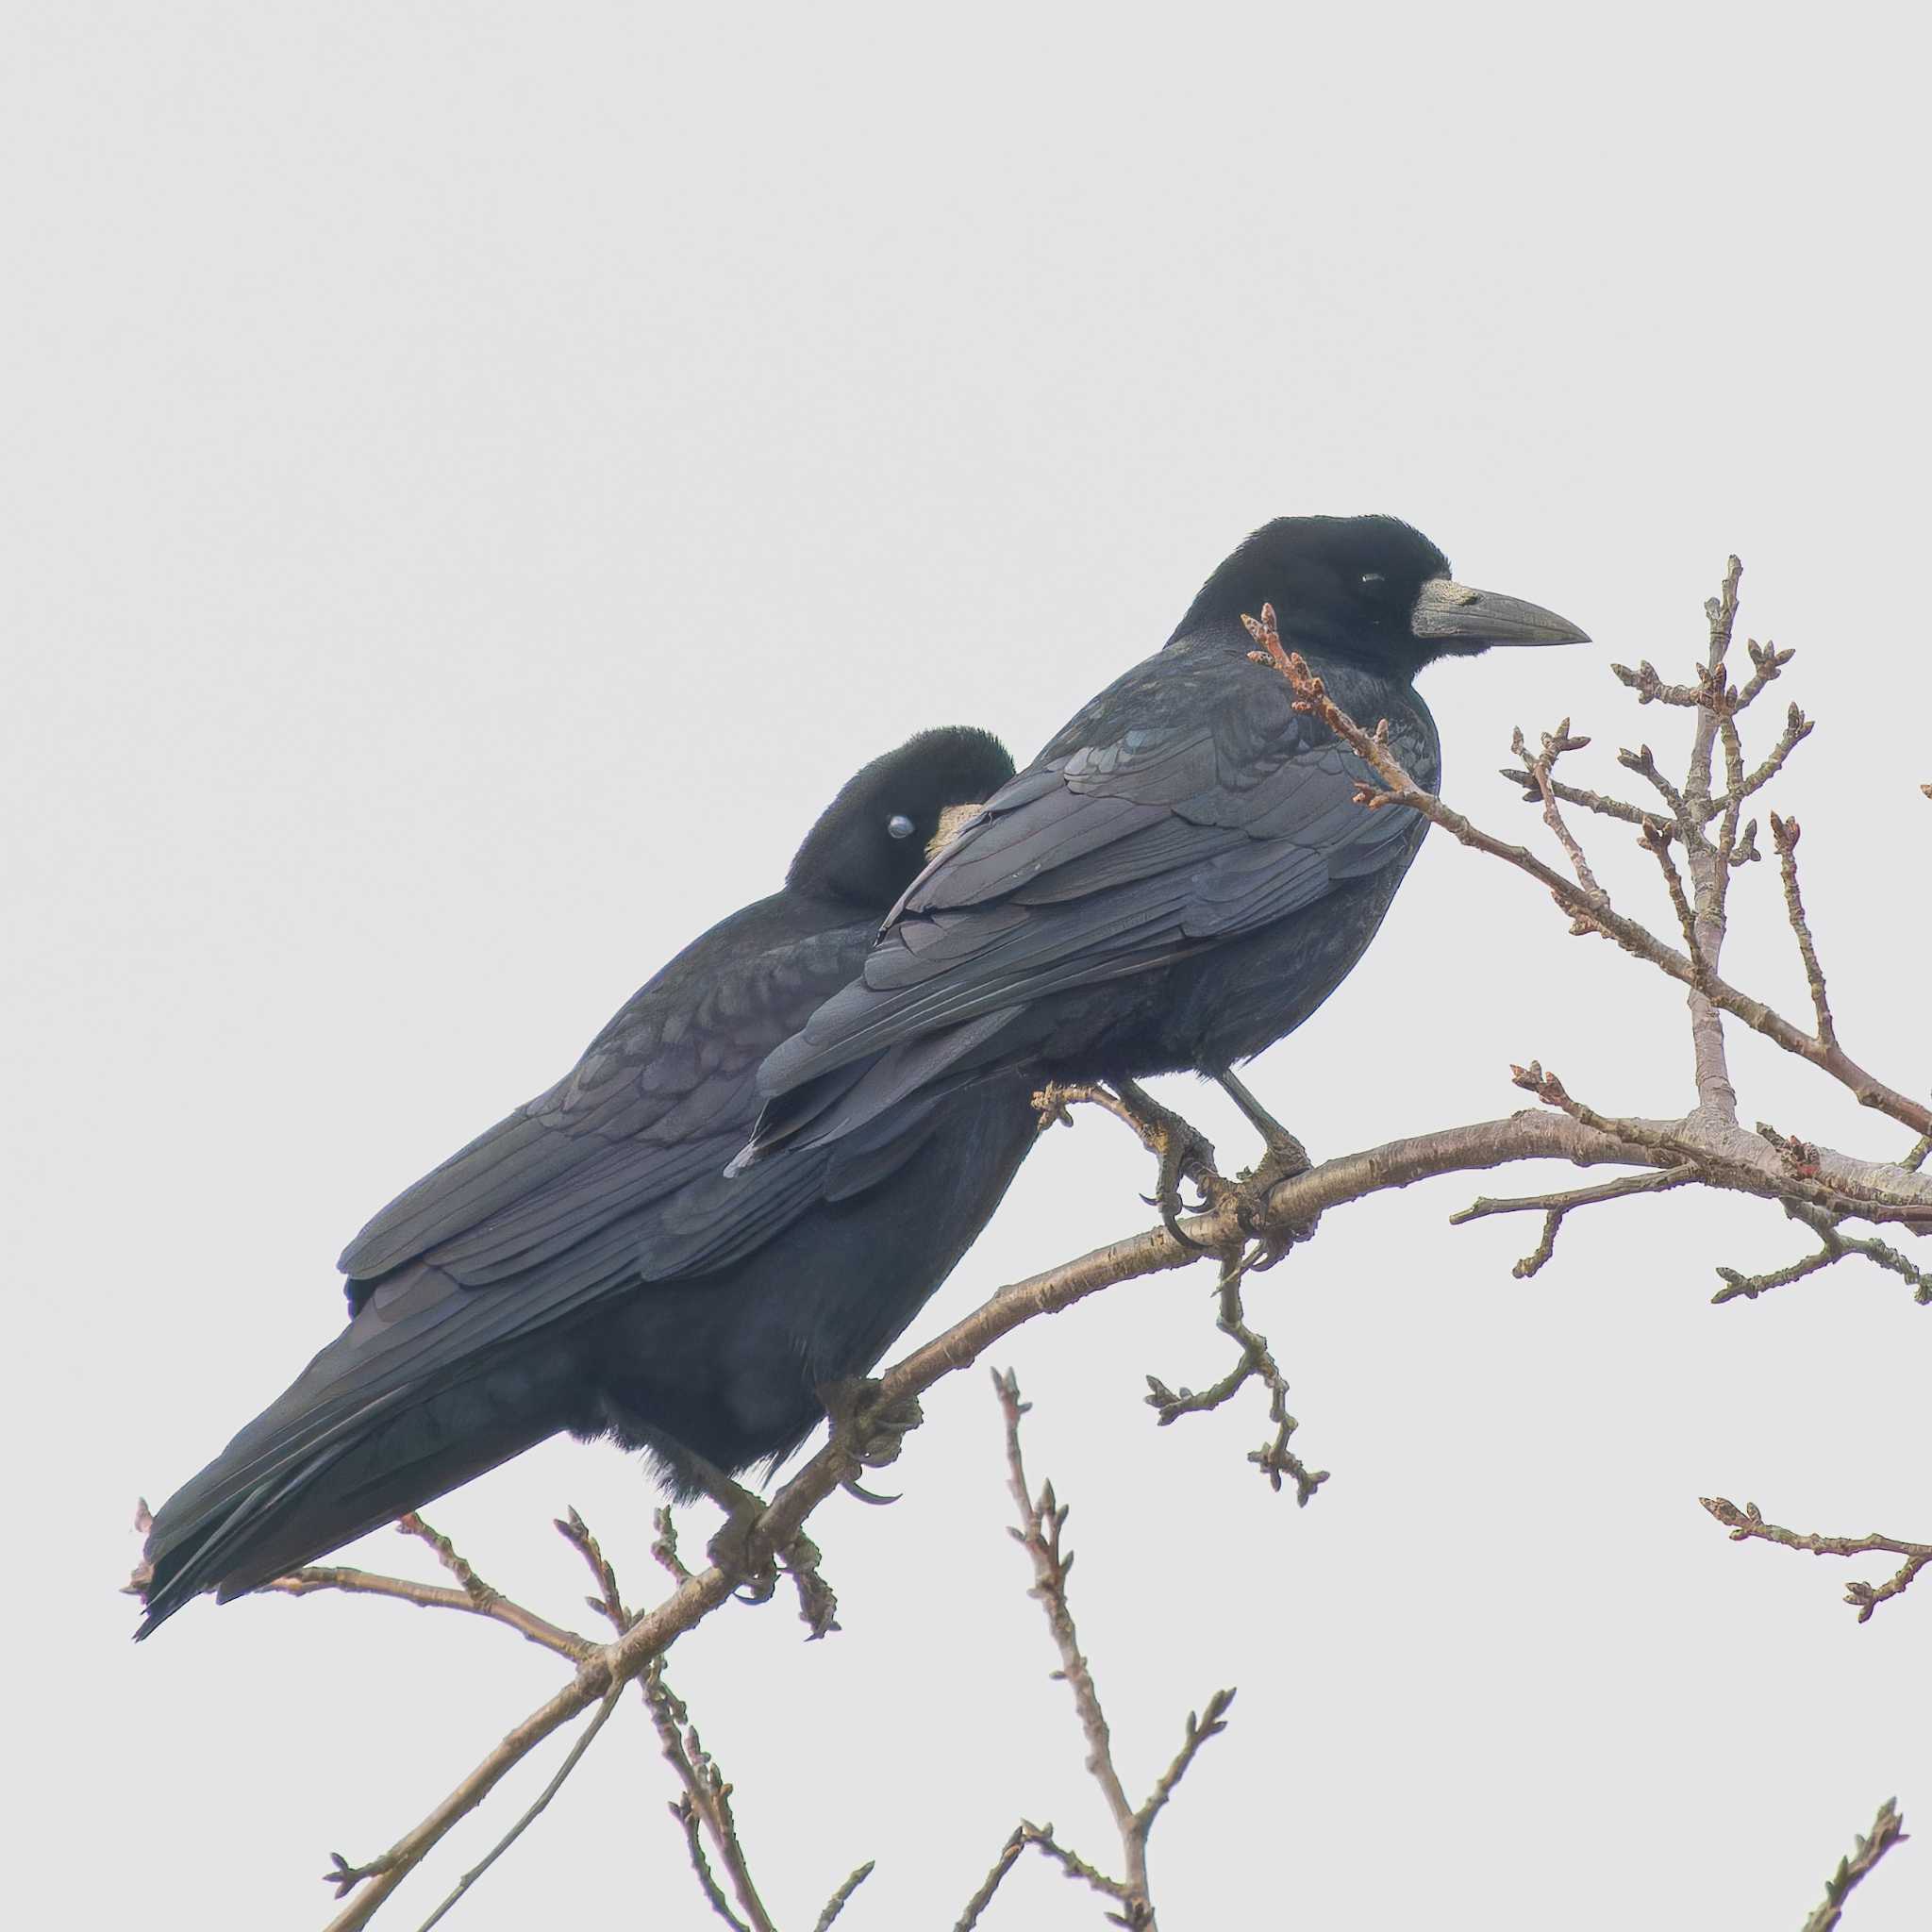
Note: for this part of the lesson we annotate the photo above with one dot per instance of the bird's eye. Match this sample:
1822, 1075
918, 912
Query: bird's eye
899, 827
1372, 576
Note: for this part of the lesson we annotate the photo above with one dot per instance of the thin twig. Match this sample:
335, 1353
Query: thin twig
1200, 1728
1784, 839
1834, 1245
608, 1602
1798, 729
1555, 744
1042, 1521
707, 1800
1597, 802
1747, 1524
1010, 1857
523, 1823
1888, 1830
1555, 1206
1656, 840
498, 1609
1255, 1362
1075, 1866
1399, 789
836, 1903
664, 1548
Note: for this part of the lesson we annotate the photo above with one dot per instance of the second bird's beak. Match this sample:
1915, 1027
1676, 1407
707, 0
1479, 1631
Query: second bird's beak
1447, 609
951, 818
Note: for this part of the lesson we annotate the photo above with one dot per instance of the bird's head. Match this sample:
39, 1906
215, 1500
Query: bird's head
1371, 588
873, 840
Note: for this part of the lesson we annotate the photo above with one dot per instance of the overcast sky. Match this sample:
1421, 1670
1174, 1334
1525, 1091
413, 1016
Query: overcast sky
476, 478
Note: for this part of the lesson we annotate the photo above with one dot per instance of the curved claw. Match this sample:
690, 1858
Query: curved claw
856, 1490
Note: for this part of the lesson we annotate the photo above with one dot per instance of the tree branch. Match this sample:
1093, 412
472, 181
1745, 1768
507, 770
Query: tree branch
1588, 913
1747, 1526
529, 1817
472, 1596
1042, 1520
706, 1803
1888, 1830
1275, 1459
1556, 1206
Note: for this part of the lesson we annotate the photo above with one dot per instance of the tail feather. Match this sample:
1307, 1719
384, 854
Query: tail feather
291, 1488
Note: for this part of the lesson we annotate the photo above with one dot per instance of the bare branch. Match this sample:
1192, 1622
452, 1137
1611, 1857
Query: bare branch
1573, 795
1834, 1246
1585, 914
1643, 762
1784, 838
665, 1547
1076, 1867
473, 1595
706, 1801
1747, 1524
1010, 1857
1289, 1203
1556, 1207
1799, 1176
523, 1823
1555, 744
840, 1899
1888, 1830
1798, 729
608, 1602
1255, 1362
1042, 1521
1656, 840
1200, 1728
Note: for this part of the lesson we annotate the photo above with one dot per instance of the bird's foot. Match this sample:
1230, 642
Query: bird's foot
1185, 1153
871, 1433
1253, 1189
734, 1548
1283, 1158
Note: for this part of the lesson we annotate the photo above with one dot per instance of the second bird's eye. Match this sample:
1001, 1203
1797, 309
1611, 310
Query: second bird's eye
899, 827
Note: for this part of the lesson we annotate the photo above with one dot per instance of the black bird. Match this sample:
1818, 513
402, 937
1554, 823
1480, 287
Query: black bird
1181, 877
586, 1264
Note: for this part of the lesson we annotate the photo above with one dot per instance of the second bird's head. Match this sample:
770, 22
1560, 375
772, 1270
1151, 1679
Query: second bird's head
1370, 586
873, 840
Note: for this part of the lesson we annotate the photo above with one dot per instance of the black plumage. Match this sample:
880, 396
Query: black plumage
1182, 876
587, 1265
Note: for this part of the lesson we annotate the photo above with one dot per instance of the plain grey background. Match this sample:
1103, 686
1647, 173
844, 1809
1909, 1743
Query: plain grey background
476, 478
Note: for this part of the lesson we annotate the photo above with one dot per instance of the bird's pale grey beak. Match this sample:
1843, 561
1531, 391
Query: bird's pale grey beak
1449, 610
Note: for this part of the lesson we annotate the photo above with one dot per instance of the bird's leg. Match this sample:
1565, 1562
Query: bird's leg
1284, 1156
1185, 1154
732, 1547
735, 1550
1285, 1151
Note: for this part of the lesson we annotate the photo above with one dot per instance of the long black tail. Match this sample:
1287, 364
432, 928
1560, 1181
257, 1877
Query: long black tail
376, 1424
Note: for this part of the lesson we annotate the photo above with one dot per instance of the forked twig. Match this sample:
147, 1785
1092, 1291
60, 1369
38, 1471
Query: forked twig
1041, 1520
1747, 1524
